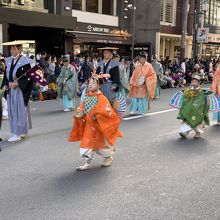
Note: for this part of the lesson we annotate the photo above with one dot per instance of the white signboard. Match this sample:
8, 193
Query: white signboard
91, 28
203, 35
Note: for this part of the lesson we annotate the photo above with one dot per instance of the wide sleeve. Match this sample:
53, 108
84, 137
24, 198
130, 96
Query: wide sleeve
124, 79
107, 120
151, 81
132, 79
23, 82
77, 131
60, 78
134, 87
79, 124
213, 102
72, 83
215, 86
177, 100
115, 76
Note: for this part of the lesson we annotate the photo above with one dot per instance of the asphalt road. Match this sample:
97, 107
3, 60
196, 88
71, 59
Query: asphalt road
155, 175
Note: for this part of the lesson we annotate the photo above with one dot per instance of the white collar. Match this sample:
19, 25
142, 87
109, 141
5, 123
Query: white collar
16, 57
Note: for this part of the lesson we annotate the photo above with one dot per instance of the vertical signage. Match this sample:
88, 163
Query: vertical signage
202, 35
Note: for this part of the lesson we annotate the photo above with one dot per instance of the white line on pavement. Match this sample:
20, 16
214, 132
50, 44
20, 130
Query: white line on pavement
148, 114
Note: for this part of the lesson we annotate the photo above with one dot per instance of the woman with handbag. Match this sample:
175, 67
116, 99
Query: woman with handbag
67, 85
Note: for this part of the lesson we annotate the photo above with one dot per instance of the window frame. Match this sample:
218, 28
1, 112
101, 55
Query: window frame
77, 9
163, 15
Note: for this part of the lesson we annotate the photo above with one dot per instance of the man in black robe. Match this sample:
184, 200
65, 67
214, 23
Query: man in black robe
109, 71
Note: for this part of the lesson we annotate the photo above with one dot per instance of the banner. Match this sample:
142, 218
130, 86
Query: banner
37, 75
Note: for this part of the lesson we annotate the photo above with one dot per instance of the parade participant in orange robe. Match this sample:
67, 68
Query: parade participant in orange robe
142, 86
215, 87
95, 125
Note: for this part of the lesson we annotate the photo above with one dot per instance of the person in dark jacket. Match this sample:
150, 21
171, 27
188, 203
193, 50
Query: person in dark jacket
86, 69
58, 67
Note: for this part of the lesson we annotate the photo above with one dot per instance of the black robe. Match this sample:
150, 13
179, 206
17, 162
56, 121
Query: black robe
112, 69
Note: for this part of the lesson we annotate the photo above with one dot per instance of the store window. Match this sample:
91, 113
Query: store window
77, 4
24, 4
107, 7
92, 6
168, 12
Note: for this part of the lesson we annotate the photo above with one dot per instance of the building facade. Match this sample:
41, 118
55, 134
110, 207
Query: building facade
82, 26
43, 21
159, 24
212, 21
64, 26
97, 26
171, 28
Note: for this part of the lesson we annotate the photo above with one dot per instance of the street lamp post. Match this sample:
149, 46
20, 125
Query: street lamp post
185, 11
195, 25
133, 8
203, 4
133, 30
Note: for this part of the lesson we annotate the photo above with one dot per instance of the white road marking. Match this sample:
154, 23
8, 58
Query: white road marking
149, 114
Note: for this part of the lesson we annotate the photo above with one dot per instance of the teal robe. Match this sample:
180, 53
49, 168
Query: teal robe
69, 88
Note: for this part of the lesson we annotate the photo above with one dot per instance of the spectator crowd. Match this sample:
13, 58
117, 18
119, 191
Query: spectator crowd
175, 73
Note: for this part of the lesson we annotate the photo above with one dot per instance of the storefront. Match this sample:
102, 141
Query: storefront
170, 46
138, 48
212, 49
86, 38
47, 30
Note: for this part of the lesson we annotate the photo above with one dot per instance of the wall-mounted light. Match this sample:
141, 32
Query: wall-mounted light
126, 2
67, 8
125, 17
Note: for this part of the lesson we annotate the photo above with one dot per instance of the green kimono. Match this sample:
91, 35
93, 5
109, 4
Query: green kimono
70, 87
124, 86
160, 81
194, 108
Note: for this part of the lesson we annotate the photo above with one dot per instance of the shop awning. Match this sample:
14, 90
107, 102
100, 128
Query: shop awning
32, 18
164, 35
84, 37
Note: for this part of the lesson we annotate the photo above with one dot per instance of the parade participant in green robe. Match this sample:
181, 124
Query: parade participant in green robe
124, 86
68, 85
159, 71
194, 108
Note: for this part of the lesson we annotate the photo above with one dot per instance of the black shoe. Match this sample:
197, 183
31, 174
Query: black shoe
0, 139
